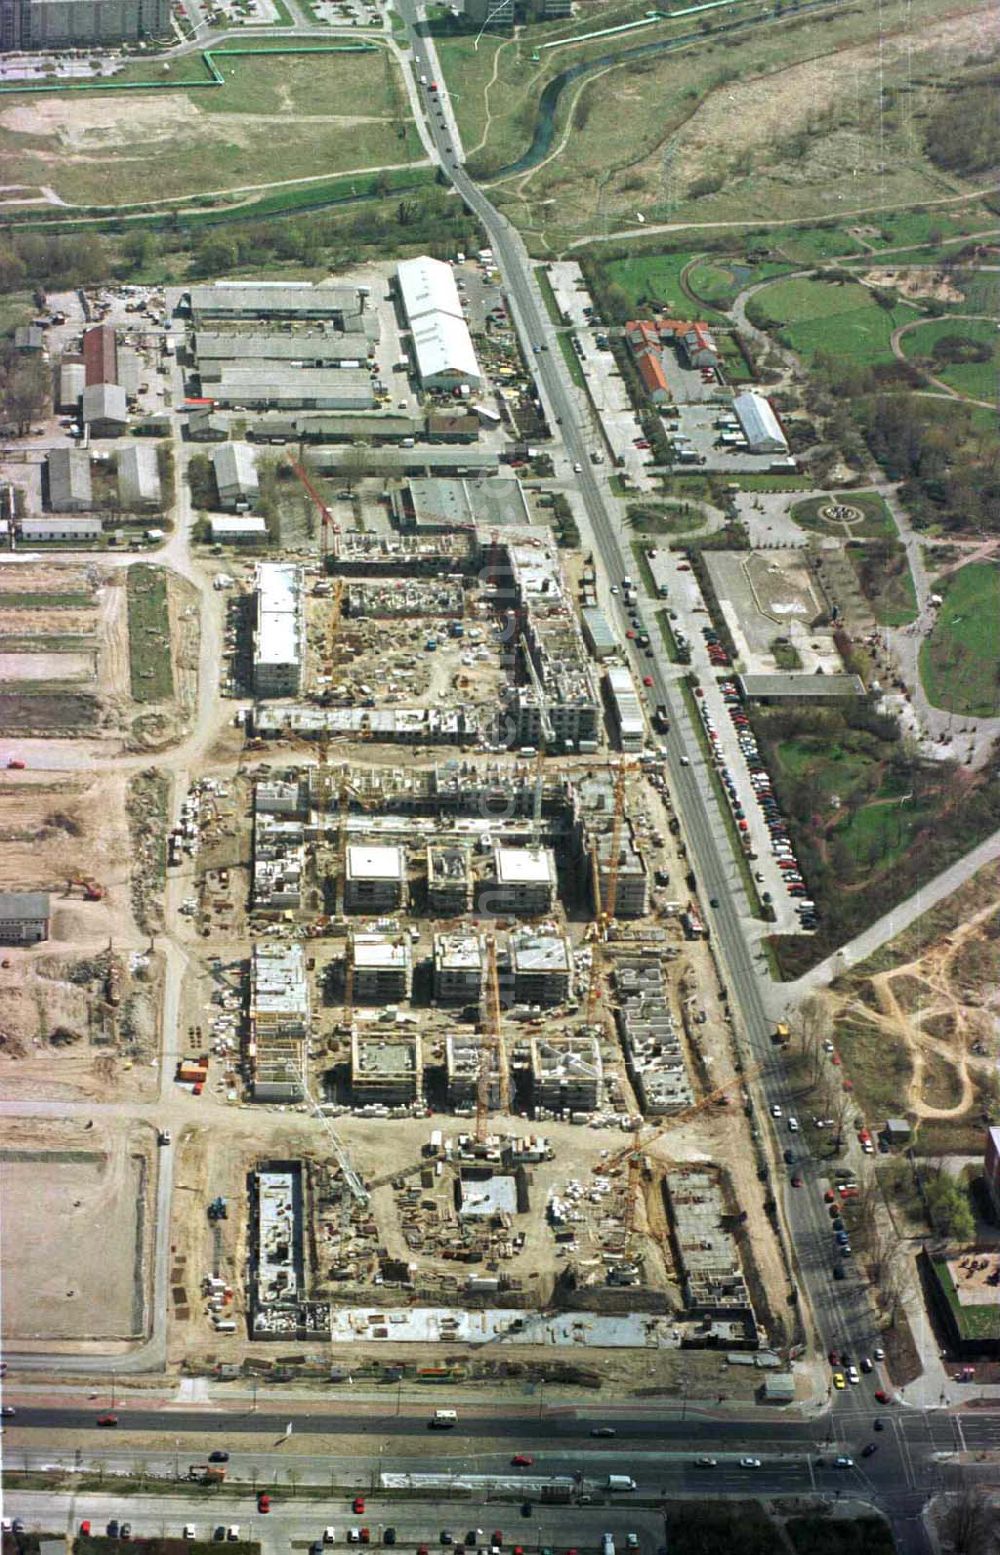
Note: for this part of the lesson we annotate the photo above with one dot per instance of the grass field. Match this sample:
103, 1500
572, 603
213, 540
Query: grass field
960, 660
150, 662
720, 281
978, 380
877, 522
777, 115
841, 318
656, 278
331, 113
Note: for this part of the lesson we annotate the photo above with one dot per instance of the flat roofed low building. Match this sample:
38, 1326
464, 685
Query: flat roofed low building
759, 424
74, 530
105, 409
382, 968
438, 505
69, 483
345, 307
626, 709
277, 640
524, 882
375, 879
598, 634
442, 345
385, 1068
72, 382
238, 529
235, 467
278, 386
24, 917
801, 688
303, 348
459, 968
139, 477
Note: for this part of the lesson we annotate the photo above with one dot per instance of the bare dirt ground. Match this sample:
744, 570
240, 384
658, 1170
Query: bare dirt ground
769, 109
78, 1189
61, 1038
917, 283
942, 1005
46, 666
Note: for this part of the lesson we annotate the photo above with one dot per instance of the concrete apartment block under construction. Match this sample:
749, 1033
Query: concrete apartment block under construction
459, 968
279, 1022
653, 1053
462, 1070
402, 598
449, 880
386, 1068
523, 883
555, 704
382, 967
705, 1249
631, 895
279, 858
278, 630
541, 968
375, 880
362, 553
567, 1074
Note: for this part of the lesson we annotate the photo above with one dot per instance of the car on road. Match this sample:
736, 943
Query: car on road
219, 1534
107, 1420
853, 1375
706, 1463
263, 1503
7, 1412
85, 1527
113, 1528
839, 1272
775, 1110
578, 470
647, 680
125, 1531
788, 1156
602, 1430
631, 1541
879, 1353
793, 1125
839, 1381
868, 1449
713, 901
218, 1456
358, 1504
388, 1535
233, 1533
866, 1364
749, 1463
843, 1462
878, 1424
522, 1460
189, 1530
882, 1396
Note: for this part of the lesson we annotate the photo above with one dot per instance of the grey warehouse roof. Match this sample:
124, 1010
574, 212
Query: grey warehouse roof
811, 687
24, 904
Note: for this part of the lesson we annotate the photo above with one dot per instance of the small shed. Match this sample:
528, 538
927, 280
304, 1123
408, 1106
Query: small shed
897, 1131
778, 1387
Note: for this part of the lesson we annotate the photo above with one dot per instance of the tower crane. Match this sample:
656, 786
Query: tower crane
632, 1152
490, 1044
325, 515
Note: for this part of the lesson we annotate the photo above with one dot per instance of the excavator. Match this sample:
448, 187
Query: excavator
91, 890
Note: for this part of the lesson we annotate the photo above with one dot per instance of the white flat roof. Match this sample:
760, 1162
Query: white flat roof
377, 950
525, 866
278, 610
427, 285
375, 863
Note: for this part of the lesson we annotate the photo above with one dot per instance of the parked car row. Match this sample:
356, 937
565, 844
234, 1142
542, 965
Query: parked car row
760, 781
716, 652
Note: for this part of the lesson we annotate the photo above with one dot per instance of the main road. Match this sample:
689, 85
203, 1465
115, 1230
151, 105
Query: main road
841, 1311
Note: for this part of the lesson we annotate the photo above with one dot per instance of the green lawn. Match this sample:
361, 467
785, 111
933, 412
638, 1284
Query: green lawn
12, 599
976, 379
960, 660
150, 661
649, 278
973, 1322
330, 113
877, 522
823, 316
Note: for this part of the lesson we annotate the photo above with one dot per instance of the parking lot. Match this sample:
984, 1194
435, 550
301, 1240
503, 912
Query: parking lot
769, 599
746, 788
702, 426
607, 387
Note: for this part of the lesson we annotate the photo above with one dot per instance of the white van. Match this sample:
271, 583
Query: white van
443, 1420
620, 1482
